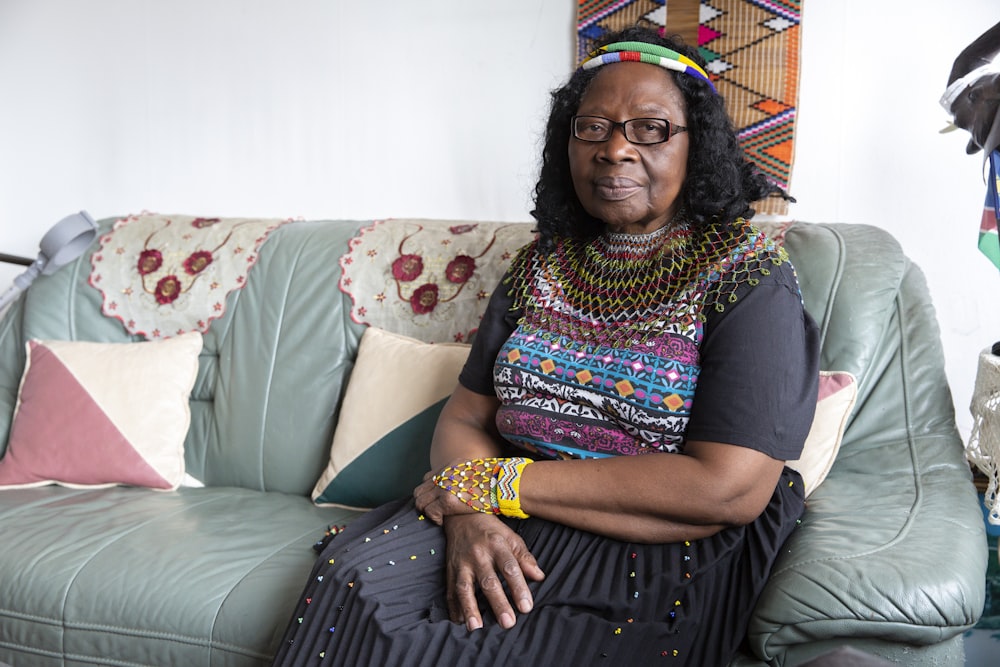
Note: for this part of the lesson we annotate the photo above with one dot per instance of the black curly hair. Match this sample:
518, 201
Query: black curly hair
721, 182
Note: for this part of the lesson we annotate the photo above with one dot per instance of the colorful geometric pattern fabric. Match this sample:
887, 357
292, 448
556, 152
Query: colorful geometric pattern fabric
752, 50
428, 279
604, 361
605, 402
164, 275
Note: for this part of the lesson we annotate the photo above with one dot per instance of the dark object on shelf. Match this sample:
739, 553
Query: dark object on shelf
973, 93
14, 259
66, 241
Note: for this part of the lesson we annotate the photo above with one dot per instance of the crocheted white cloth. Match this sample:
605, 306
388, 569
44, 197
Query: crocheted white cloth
984, 442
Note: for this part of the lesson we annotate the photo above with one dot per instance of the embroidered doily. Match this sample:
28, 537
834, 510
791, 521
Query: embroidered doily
428, 279
164, 275
775, 229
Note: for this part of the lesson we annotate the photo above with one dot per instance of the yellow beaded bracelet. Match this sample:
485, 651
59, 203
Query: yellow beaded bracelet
506, 484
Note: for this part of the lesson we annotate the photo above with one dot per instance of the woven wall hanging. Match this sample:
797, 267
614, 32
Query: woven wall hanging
752, 49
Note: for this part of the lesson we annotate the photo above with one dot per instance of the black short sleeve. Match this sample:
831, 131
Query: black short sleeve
759, 370
498, 322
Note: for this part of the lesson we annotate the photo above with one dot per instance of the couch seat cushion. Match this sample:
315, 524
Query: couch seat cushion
197, 576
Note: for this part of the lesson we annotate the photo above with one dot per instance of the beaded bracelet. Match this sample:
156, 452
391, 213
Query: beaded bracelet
491, 486
507, 486
470, 482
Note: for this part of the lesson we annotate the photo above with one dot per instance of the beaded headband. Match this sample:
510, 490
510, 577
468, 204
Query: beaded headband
646, 53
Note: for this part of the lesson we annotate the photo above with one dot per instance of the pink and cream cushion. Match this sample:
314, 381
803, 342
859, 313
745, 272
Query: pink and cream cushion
838, 392
102, 414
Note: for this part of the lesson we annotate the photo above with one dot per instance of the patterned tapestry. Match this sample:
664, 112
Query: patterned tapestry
752, 50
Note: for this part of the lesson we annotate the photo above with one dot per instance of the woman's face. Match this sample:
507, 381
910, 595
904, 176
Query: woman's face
632, 188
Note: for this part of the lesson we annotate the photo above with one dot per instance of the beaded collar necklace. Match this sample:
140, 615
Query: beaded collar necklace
619, 289
621, 245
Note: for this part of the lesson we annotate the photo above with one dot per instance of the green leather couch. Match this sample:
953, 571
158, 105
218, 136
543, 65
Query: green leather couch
890, 557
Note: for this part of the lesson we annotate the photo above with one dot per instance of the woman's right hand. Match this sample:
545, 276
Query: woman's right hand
481, 549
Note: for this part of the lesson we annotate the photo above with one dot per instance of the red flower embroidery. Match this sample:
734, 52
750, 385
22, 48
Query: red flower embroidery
201, 223
462, 229
424, 299
460, 269
197, 262
167, 290
407, 267
149, 261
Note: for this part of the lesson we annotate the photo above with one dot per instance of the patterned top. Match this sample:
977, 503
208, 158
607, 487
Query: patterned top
604, 357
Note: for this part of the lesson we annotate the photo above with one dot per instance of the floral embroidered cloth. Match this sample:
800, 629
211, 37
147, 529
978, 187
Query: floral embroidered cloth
164, 275
428, 279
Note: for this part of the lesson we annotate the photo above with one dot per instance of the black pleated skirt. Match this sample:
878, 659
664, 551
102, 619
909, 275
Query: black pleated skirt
377, 596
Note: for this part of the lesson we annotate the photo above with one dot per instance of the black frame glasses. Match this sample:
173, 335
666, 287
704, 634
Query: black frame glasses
639, 131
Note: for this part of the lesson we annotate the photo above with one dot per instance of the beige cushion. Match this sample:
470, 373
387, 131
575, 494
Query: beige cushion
381, 448
838, 391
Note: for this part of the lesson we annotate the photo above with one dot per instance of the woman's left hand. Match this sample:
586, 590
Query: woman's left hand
435, 503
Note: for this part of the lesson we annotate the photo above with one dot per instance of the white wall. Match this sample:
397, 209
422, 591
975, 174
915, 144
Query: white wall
336, 109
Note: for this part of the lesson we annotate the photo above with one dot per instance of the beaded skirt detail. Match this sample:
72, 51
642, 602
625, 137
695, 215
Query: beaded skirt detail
376, 596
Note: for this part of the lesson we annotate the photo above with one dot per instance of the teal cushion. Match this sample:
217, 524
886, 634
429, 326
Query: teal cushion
389, 469
381, 447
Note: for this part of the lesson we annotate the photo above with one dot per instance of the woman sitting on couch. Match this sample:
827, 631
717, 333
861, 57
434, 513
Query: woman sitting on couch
608, 478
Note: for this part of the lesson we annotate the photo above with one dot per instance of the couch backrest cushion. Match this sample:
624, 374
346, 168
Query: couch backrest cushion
271, 372
275, 367
878, 323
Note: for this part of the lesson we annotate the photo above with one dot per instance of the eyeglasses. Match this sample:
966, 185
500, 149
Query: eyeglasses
642, 131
